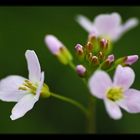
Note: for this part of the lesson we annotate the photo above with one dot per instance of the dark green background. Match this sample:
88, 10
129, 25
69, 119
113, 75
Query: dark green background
23, 28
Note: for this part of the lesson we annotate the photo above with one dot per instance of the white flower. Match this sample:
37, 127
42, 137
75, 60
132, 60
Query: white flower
118, 93
107, 25
25, 92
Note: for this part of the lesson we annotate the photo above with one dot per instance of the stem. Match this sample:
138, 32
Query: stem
92, 115
72, 65
71, 101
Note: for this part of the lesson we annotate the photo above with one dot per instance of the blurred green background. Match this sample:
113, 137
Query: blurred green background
23, 28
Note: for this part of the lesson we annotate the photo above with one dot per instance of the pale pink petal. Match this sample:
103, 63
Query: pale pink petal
124, 77
131, 102
33, 66
53, 44
85, 23
113, 109
9, 88
98, 83
23, 106
107, 24
40, 86
131, 23
12, 96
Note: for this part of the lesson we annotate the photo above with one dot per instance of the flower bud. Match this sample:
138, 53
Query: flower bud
81, 70
89, 47
79, 49
110, 58
57, 48
95, 60
131, 59
127, 60
104, 43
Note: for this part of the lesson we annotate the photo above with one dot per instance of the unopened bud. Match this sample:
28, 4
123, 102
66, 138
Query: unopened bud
104, 43
95, 60
79, 49
100, 55
131, 59
81, 70
53, 44
89, 47
57, 48
110, 58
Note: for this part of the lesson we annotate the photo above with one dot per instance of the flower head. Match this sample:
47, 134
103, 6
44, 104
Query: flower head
116, 93
108, 25
25, 92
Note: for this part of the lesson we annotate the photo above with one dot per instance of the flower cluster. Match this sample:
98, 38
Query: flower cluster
95, 61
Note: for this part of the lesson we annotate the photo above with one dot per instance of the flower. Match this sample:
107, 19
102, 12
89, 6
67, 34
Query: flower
57, 48
108, 25
118, 93
25, 92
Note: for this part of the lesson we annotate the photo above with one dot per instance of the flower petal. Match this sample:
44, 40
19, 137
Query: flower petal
12, 96
9, 88
23, 106
84, 22
131, 102
33, 66
107, 24
113, 109
124, 77
131, 23
98, 83
40, 86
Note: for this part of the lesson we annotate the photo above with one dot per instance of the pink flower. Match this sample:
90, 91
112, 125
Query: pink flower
108, 25
116, 94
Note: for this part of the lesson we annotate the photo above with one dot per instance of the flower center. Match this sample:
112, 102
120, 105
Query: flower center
115, 93
32, 87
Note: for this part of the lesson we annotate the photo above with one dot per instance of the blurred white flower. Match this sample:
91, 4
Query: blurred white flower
107, 25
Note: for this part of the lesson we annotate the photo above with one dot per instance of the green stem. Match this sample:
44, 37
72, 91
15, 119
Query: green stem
71, 64
92, 115
71, 101
91, 112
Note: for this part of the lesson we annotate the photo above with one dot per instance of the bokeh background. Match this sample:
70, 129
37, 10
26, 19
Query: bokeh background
23, 28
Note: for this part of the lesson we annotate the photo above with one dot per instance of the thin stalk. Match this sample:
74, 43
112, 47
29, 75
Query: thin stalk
71, 101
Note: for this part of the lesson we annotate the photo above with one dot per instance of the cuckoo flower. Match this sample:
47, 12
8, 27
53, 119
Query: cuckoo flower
108, 25
25, 92
118, 93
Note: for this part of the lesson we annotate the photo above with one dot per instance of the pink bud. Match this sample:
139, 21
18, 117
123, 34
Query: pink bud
79, 49
104, 43
80, 69
53, 44
131, 59
110, 58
